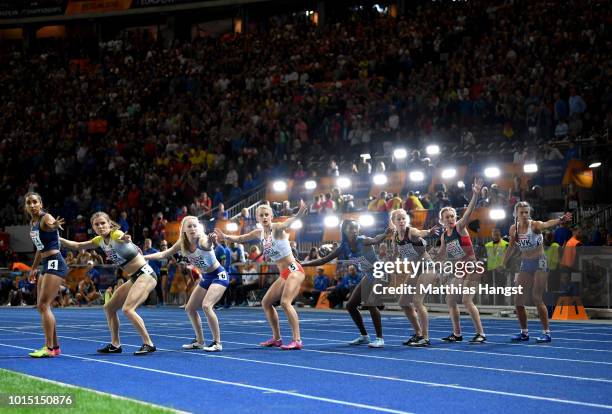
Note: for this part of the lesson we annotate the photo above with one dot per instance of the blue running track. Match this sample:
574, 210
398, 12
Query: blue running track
573, 374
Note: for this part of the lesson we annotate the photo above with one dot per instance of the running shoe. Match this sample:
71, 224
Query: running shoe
420, 343
194, 344
520, 337
478, 339
214, 346
453, 338
110, 349
292, 346
145, 349
377, 343
43, 352
271, 343
362, 339
412, 339
544, 338
57, 351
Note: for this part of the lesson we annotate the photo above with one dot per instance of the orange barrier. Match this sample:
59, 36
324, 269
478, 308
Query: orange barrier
569, 308
323, 303
74, 276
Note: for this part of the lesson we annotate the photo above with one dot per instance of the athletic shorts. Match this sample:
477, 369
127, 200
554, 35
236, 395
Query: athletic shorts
533, 265
144, 270
218, 276
293, 267
55, 265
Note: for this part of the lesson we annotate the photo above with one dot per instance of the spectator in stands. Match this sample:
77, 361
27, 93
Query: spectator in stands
205, 204
441, 201
237, 252
316, 205
93, 274
394, 203
70, 259
343, 290
328, 205
562, 234
123, 222
221, 213
286, 210
412, 202
320, 284
313, 254
568, 260
86, 292
158, 228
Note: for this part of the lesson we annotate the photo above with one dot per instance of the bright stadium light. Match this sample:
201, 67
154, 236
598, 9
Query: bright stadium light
343, 182
331, 221
231, 227
279, 186
366, 220
530, 168
296, 225
449, 173
432, 149
460, 184
595, 164
366, 156
380, 179
400, 153
497, 214
416, 176
310, 185
492, 172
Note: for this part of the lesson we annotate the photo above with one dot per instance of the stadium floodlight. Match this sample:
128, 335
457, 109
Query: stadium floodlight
400, 153
460, 184
492, 172
497, 214
231, 226
366, 156
310, 185
366, 220
595, 164
448, 173
380, 179
296, 225
331, 221
416, 176
279, 186
343, 182
432, 149
530, 168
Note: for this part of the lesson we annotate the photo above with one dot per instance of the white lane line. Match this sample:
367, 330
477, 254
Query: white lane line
235, 384
113, 396
357, 374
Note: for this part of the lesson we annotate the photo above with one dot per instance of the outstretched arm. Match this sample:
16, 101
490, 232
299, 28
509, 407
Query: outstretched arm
287, 223
543, 225
323, 260
424, 233
379, 238
476, 187
49, 223
72, 245
166, 253
253, 235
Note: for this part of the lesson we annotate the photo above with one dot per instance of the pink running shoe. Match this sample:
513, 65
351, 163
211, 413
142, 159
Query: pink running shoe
56, 352
272, 343
292, 346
